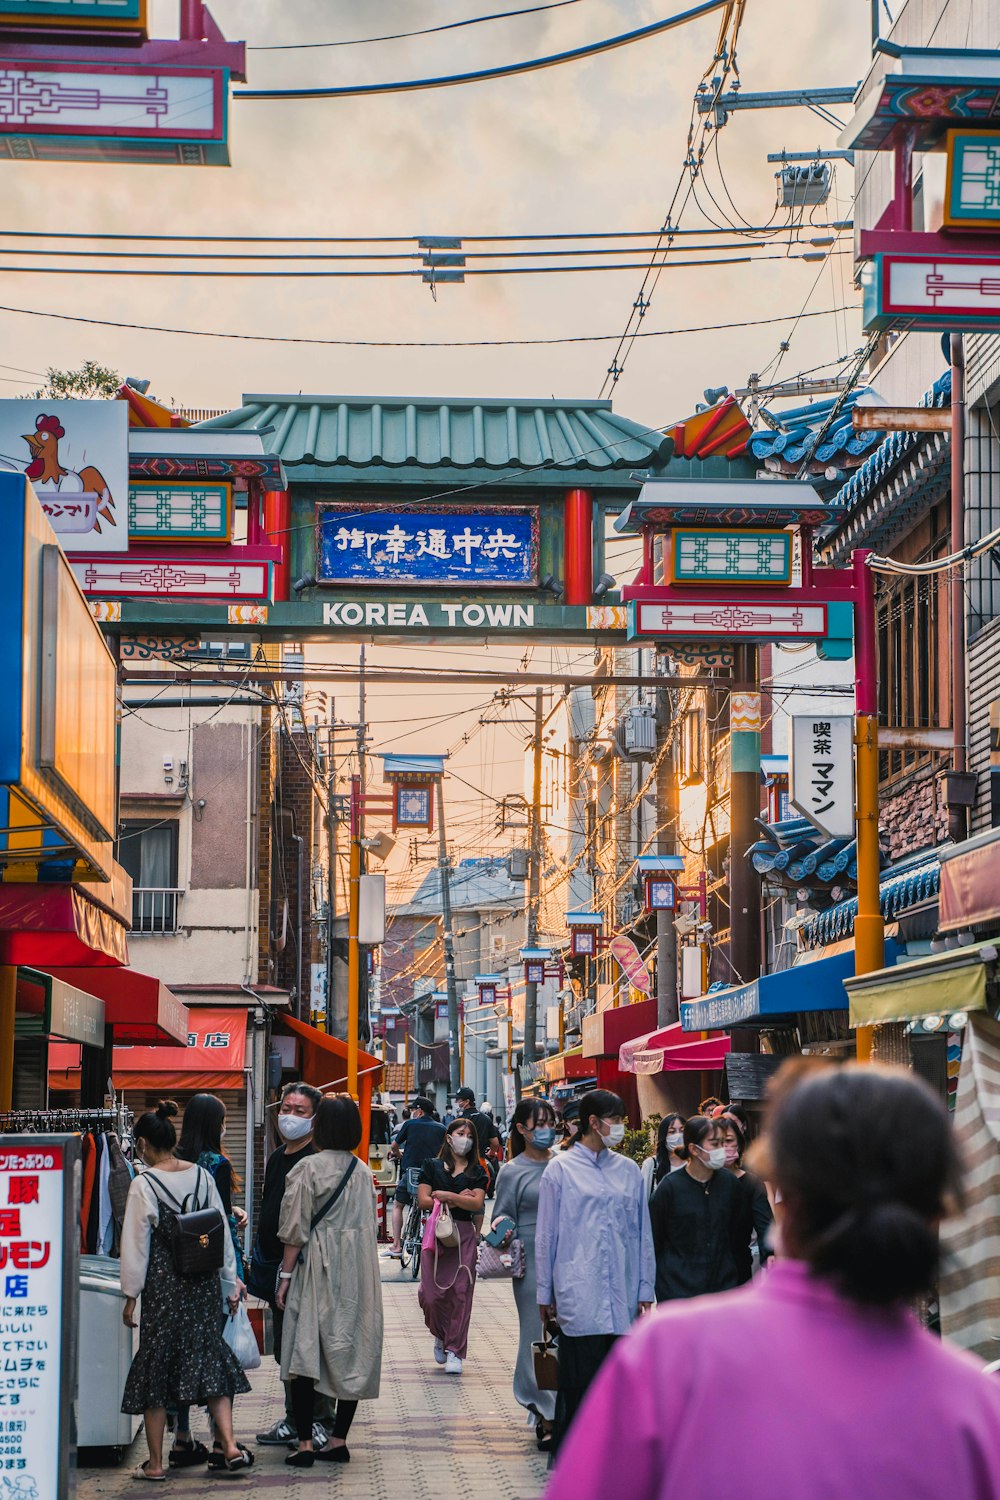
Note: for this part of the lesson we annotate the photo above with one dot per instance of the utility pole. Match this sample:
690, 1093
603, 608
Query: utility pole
744, 807
667, 815
454, 1061
331, 877
354, 979
534, 882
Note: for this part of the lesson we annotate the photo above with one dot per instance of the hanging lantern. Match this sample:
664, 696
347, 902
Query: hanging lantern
586, 935
659, 873
488, 986
535, 960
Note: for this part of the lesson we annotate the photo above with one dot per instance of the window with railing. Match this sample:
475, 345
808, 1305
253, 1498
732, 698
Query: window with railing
148, 851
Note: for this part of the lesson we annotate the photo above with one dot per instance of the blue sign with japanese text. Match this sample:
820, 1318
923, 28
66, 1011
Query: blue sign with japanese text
494, 548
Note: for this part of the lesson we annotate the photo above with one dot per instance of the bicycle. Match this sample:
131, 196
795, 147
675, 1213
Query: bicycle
413, 1227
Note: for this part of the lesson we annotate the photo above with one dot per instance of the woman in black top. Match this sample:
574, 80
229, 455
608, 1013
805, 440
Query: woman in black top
693, 1213
456, 1180
753, 1211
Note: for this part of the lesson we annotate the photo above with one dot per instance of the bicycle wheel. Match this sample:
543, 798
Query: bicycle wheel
415, 1262
404, 1251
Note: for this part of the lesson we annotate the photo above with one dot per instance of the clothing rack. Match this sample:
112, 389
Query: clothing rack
69, 1122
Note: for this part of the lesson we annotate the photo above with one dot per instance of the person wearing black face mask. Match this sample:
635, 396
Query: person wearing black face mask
693, 1214
294, 1122
515, 1212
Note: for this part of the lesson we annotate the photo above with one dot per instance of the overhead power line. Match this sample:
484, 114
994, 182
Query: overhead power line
382, 255
416, 272
486, 75
391, 239
277, 338
400, 36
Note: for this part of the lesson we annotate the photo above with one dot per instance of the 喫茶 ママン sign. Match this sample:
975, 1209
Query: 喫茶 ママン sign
495, 547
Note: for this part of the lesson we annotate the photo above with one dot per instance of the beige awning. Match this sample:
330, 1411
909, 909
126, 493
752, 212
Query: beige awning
939, 985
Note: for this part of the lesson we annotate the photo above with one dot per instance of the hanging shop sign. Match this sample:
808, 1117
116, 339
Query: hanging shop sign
75, 453
822, 772
185, 576
413, 779
743, 556
75, 15
972, 192
712, 617
628, 956
178, 512
944, 293
114, 112
366, 544
39, 1304
57, 732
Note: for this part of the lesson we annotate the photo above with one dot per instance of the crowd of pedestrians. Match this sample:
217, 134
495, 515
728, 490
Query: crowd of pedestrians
858, 1163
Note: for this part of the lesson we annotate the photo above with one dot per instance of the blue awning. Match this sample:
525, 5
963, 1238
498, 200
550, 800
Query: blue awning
818, 985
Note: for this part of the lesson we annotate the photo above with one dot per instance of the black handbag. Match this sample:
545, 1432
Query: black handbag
197, 1236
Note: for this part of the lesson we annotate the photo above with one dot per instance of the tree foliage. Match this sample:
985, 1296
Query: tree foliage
91, 380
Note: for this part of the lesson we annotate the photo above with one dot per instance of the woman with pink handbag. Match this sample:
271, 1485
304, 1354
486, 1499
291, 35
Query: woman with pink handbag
532, 1136
452, 1186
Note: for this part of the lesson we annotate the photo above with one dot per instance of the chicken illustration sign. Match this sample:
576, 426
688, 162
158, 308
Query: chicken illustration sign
75, 453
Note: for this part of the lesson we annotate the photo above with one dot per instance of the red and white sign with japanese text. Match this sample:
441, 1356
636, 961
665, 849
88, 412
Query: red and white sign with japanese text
35, 1319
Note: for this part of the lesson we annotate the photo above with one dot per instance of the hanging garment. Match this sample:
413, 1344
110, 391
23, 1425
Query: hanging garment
89, 1154
105, 1218
119, 1181
95, 1198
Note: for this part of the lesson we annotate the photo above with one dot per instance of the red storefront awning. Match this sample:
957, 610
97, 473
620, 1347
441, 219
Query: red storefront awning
141, 1009
45, 924
213, 1058
671, 1050
605, 1032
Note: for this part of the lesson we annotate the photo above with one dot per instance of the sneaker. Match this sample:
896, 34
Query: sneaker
439, 1354
453, 1365
320, 1437
277, 1436
392, 1255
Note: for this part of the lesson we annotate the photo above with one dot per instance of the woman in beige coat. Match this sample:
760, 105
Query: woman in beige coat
329, 1286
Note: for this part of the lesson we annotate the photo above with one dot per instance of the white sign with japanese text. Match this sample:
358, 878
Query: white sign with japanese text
821, 773
34, 1323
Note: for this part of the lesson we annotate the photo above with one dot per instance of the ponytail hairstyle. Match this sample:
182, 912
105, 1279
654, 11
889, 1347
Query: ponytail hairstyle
697, 1131
867, 1166
155, 1126
529, 1113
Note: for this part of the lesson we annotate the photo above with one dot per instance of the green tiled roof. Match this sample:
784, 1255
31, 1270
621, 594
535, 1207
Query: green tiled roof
365, 437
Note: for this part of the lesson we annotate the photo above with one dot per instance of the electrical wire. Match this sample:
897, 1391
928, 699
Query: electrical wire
376, 239
486, 75
417, 272
399, 36
273, 338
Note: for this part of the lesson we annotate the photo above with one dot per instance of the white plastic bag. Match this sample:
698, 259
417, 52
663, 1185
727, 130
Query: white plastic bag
241, 1338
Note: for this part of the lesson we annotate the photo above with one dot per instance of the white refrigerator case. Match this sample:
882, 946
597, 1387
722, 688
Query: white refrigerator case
107, 1349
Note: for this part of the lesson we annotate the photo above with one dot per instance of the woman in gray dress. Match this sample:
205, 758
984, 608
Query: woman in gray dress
532, 1136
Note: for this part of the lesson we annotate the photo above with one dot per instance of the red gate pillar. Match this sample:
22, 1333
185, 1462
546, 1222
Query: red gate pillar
578, 547
277, 515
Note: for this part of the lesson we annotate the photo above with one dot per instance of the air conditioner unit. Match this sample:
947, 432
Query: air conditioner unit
638, 734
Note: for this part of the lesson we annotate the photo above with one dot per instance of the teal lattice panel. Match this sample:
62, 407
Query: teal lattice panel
737, 556
973, 191
177, 512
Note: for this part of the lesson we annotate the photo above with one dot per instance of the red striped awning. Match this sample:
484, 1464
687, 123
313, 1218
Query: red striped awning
672, 1050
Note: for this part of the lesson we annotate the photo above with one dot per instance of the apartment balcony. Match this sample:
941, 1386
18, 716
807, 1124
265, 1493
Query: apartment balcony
155, 910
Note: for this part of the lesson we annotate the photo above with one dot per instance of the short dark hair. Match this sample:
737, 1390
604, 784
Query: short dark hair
156, 1127
306, 1090
866, 1162
338, 1123
600, 1102
527, 1112
697, 1130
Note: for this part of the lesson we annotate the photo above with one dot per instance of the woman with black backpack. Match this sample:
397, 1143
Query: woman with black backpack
177, 1254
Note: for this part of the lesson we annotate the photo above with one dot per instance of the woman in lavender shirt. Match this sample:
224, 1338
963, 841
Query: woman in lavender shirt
843, 1395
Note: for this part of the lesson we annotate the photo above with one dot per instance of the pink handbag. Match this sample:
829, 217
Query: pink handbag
428, 1241
501, 1265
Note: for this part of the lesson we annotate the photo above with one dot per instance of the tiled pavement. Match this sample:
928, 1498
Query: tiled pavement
429, 1436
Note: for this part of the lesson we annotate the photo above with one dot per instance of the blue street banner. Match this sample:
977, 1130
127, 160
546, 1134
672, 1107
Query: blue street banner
492, 548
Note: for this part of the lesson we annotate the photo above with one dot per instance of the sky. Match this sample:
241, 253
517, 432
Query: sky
589, 146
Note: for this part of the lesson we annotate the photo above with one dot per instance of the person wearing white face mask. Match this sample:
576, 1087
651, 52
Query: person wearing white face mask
593, 1250
457, 1181
294, 1122
693, 1215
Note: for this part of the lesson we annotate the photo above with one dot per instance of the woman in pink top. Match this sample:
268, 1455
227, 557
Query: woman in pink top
843, 1396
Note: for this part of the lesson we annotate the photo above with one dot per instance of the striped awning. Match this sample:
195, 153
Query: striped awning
970, 1245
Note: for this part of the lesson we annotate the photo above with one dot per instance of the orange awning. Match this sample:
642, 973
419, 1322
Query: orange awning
213, 1058
324, 1065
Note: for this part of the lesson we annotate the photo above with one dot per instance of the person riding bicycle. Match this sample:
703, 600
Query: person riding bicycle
419, 1137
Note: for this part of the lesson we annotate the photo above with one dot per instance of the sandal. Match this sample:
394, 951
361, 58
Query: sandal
187, 1455
231, 1468
141, 1473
